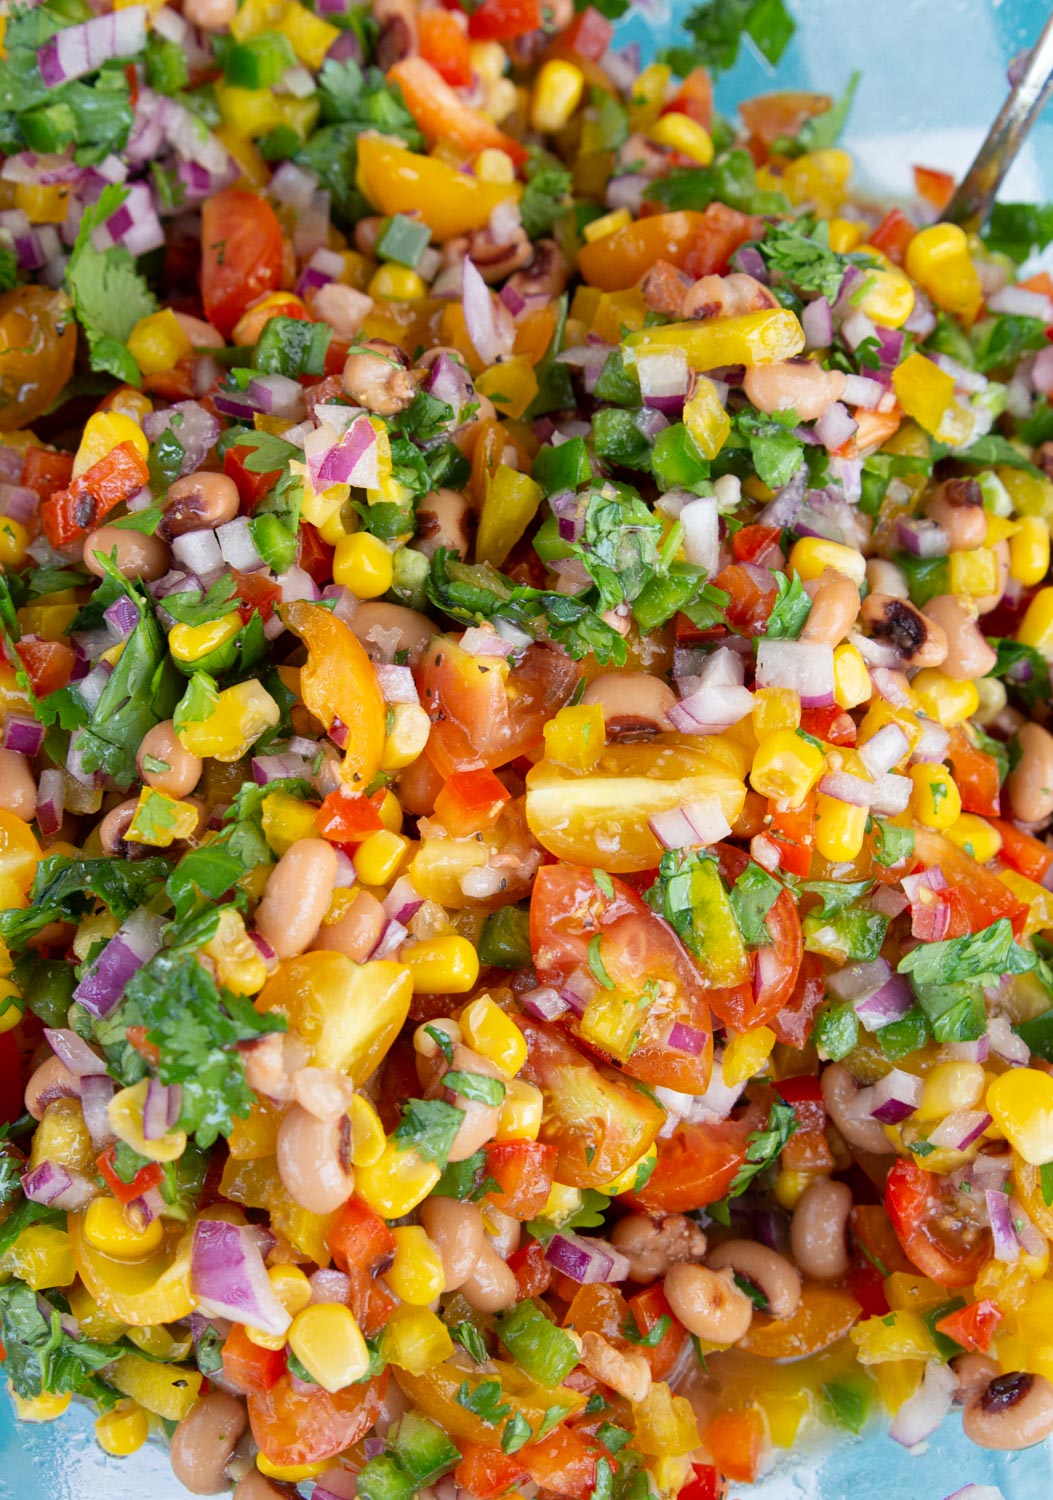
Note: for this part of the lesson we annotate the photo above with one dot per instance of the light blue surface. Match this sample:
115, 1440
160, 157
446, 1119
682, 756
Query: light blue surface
933, 78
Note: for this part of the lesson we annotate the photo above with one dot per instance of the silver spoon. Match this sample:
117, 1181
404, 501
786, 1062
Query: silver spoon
976, 192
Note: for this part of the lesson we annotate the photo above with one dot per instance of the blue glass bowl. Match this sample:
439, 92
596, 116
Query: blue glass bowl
933, 78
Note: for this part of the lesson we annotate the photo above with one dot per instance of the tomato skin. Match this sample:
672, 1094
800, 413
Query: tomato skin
502, 20
976, 896
754, 543
934, 186
721, 233
707, 1484
241, 254
533, 1272
867, 1286
568, 912
745, 1006
649, 1307
974, 1326
48, 664
445, 45
255, 592
294, 1427
752, 600
589, 34
525, 1170
599, 1122
249, 1367
793, 1023
487, 1472
696, 1165
913, 1199
736, 1439
483, 714
565, 1462
45, 472
251, 487
1026, 854
976, 776
893, 235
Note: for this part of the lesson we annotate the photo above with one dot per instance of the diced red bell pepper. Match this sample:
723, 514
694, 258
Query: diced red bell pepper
533, 1272
648, 1308
248, 1366
589, 34
973, 1327
48, 664
867, 1286
694, 98
72, 512
792, 830
893, 235
975, 775
934, 186
755, 544
470, 801
251, 487
126, 1192
487, 1472
831, 724
524, 1170
501, 20
708, 1484
347, 818
444, 43
316, 555
256, 592
46, 472
565, 1463
1026, 854
361, 1240
722, 232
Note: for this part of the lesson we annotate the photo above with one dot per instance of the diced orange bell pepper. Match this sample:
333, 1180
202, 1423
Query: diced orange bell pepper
444, 44
934, 186
450, 202
618, 260
347, 818
1028, 855
736, 1441
72, 512
46, 472
360, 1239
48, 664
440, 112
648, 1308
470, 801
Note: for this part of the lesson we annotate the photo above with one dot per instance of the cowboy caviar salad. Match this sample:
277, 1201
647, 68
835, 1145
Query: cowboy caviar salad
526, 910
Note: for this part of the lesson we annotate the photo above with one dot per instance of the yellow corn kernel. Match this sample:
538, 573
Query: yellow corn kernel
394, 283
415, 1275
310, 36
106, 1229
633, 1176
746, 1053
328, 1343
576, 736
125, 1114
840, 828
12, 1008
852, 685
888, 298
490, 1031
786, 767
951, 1086
49, 621
938, 259
14, 543
521, 1112
241, 715
189, 643
363, 565
367, 1133
1029, 551
123, 1430
598, 229
705, 418
811, 555
379, 856
562, 1203
237, 959
41, 1256
447, 965
773, 709
976, 836
43, 1408
924, 391
943, 698
293, 1291
408, 730
158, 342
494, 165
789, 1187
1021, 1104
415, 1339
670, 1473
292, 1473
1031, 494
935, 800
845, 235
681, 133
648, 96
557, 94
974, 573
488, 59
819, 177
397, 1182
160, 820
1036, 628
103, 431
286, 819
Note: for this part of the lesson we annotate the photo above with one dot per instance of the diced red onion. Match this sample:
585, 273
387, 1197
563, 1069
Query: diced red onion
490, 339
339, 733
96, 1091
859, 981
701, 822
889, 1003
847, 788
228, 1278
330, 1286
161, 1109
346, 603
391, 940
479, 642
449, 381
74, 1052
51, 799
296, 584
921, 1414
59, 1187
24, 735
711, 709
835, 427
1006, 1244
354, 460
403, 901
142, 1211
933, 743
263, 948
687, 1039
268, 768
884, 749
663, 374
196, 429
133, 944
701, 533
545, 1003
199, 552
960, 1129
134, 224
237, 546
856, 329
122, 617
585, 1260
1018, 301
887, 680
860, 391
922, 537
806, 667
18, 503
891, 795
397, 684
78, 50
894, 1097
818, 323
978, 1051
1005, 1042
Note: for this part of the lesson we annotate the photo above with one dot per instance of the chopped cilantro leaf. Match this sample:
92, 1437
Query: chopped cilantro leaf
429, 1126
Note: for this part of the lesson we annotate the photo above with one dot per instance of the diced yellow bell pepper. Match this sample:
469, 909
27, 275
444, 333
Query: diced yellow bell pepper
760, 338
705, 418
415, 1339
924, 391
664, 1424
43, 203
167, 1390
449, 201
160, 820
310, 36
510, 503
240, 715
897, 1335
41, 1256
286, 819
746, 1054
1021, 1103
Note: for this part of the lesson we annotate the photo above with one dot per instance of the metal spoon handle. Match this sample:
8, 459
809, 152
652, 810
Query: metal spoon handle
976, 192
